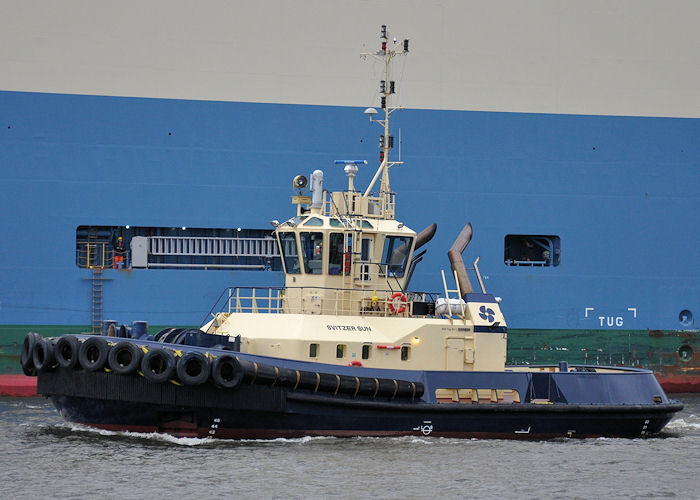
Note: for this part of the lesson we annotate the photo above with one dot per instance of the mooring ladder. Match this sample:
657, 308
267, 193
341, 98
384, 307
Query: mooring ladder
97, 289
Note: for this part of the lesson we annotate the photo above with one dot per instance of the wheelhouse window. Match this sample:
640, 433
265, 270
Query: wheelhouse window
338, 255
312, 251
314, 221
290, 254
395, 254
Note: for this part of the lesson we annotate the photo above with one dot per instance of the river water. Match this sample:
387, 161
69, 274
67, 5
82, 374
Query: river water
42, 456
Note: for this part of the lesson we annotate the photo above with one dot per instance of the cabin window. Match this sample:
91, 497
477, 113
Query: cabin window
313, 350
340, 350
532, 250
336, 223
290, 254
314, 221
366, 224
395, 255
338, 257
366, 351
405, 352
312, 250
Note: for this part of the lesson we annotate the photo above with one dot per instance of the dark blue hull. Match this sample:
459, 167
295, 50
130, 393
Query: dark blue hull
260, 397
278, 413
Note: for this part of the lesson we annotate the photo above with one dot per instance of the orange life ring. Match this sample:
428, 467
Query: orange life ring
402, 301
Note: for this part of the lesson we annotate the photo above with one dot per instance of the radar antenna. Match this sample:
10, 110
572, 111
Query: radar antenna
386, 88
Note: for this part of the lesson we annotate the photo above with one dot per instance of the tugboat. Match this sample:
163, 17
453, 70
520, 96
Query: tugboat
344, 348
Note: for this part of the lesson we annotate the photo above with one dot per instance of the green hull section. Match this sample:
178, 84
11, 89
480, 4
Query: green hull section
640, 348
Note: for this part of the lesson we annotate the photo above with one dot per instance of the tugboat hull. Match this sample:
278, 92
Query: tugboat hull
130, 403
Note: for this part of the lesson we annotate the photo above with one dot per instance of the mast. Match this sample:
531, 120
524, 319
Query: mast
388, 50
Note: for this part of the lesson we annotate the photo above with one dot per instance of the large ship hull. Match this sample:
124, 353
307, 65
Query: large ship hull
620, 193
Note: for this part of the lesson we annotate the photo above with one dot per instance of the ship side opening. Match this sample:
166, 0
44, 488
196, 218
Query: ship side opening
130, 247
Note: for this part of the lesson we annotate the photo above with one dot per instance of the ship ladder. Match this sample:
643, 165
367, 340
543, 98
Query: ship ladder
97, 285
462, 312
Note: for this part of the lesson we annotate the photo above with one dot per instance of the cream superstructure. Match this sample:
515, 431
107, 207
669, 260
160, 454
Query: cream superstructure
348, 263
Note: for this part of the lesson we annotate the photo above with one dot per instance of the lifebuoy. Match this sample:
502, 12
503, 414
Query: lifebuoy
193, 368
402, 301
226, 371
158, 365
66, 351
125, 357
355, 363
43, 355
93, 354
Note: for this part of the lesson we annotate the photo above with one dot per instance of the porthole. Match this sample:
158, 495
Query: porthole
685, 352
685, 317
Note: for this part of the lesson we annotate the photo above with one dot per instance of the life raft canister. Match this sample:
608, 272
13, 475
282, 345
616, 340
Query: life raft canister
401, 301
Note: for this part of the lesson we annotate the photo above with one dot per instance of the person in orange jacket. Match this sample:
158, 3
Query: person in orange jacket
119, 253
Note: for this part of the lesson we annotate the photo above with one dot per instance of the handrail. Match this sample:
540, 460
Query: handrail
92, 255
335, 301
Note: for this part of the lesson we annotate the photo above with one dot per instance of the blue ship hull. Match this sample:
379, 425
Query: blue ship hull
621, 193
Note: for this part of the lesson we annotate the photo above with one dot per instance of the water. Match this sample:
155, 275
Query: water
43, 456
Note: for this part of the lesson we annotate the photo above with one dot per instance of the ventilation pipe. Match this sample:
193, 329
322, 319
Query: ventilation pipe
456, 262
425, 236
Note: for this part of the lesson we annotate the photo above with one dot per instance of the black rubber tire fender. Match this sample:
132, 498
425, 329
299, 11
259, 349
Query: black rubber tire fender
27, 356
193, 368
93, 354
226, 371
125, 358
43, 355
66, 351
158, 365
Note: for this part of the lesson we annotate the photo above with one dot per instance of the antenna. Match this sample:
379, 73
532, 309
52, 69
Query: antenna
387, 87
351, 169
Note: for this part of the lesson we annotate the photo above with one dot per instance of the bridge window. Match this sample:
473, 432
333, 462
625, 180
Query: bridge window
532, 250
314, 221
312, 251
338, 254
395, 255
290, 254
336, 223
